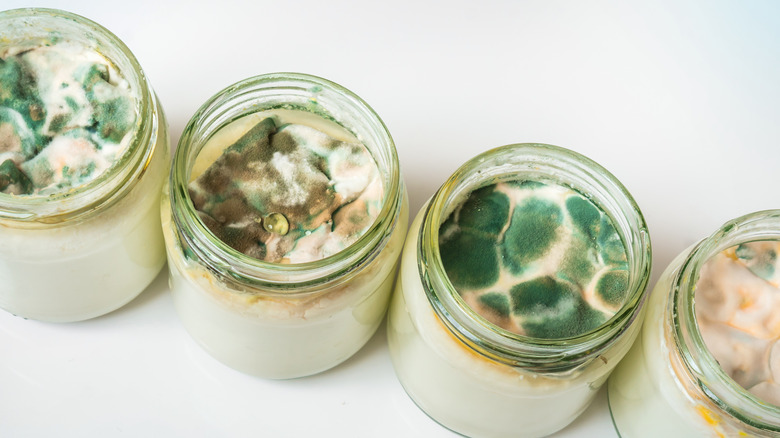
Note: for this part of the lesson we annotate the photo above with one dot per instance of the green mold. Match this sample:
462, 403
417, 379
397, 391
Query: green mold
19, 91
81, 104
612, 286
485, 210
760, 262
497, 302
579, 321
114, 118
12, 180
533, 229
578, 265
553, 309
22, 139
470, 260
255, 142
90, 74
585, 215
280, 174
555, 243
609, 243
542, 295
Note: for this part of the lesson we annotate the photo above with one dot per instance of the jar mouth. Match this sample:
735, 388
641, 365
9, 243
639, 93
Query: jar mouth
714, 382
297, 92
37, 26
555, 165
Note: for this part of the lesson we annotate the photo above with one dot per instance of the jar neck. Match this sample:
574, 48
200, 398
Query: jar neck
699, 364
34, 27
547, 164
297, 92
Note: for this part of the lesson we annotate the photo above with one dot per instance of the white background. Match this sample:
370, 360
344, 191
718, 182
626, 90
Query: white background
679, 99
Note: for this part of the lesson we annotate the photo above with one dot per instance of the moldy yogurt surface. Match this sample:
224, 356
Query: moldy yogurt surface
536, 259
289, 193
65, 116
738, 313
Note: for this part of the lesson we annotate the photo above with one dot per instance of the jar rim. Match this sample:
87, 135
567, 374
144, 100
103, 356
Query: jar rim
240, 99
697, 359
541, 161
87, 199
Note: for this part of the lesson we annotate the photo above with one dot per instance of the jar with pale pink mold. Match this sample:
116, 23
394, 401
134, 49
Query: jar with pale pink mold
707, 362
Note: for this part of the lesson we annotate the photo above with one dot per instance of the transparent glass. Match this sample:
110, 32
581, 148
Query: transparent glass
475, 378
282, 320
669, 384
81, 253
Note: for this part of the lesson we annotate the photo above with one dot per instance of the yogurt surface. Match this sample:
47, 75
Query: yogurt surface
288, 192
738, 312
66, 115
536, 259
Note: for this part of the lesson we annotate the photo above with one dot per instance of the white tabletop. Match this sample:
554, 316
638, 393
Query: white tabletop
680, 100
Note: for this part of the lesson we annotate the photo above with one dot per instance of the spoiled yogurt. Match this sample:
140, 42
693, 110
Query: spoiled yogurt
66, 115
536, 259
83, 156
518, 294
738, 312
283, 254
288, 192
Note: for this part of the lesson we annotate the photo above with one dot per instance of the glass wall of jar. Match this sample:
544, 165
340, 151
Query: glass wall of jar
282, 319
79, 223
670, 384
477, 378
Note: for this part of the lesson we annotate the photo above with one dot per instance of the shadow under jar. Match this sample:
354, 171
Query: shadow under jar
289, 294
672, 383
83, 156
522, 350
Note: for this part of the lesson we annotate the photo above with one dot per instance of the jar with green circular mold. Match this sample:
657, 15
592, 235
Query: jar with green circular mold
84, 151
672, 382
520, 288
284, 219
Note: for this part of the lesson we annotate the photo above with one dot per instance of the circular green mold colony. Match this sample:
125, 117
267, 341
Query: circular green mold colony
532, 230
540, 260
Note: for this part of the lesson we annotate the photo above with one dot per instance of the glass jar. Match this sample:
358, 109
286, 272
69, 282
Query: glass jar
85, 251
670, 384
278, 320
472, 376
